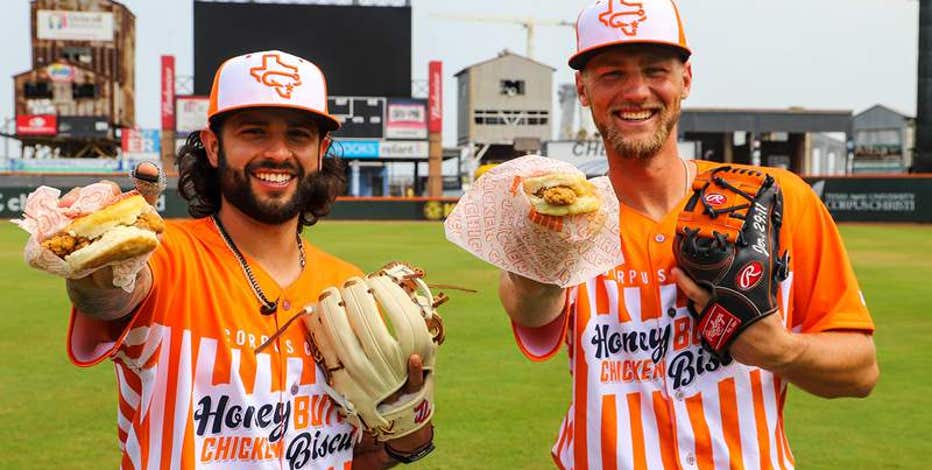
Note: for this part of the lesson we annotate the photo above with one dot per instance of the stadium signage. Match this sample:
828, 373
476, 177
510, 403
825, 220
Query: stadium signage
190, 113
876, 199
168, 92
36, 124
407, 119
435, 96
403, 149
74, 25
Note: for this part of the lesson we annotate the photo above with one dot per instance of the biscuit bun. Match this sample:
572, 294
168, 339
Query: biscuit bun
118, 243
119, 231
562, 194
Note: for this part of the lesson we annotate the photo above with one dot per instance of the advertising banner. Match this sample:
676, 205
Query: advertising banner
83, 126
356, 148
435, 96
141, 144
190, 114
168, 92
404, 149
407, 119
876, 199
36, 124
74, 25
66, 165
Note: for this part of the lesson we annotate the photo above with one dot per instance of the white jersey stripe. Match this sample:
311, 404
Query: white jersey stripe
711, 408
159, 387
746, 420
685, 439
132, 448
126, 392
183, 394
611, 291
624, 447
651, 437
594, 428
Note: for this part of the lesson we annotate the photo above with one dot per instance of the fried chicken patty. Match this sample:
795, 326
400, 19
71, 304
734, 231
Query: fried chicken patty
558, 195
63, 244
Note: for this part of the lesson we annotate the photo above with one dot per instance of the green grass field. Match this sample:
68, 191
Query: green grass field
496, 410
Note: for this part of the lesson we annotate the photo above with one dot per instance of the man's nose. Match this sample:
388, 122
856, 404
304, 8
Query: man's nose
277, 148
635, 89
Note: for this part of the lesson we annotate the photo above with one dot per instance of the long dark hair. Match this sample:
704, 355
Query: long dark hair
199, 182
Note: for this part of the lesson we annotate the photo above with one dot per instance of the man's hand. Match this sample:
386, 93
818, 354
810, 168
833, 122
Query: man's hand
530, 303
95, 295
766, 343
370, 454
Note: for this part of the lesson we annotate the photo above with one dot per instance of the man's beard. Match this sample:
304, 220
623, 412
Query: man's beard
237, 190
640, 149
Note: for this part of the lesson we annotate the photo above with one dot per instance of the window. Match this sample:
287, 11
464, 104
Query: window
34, 90
76, 54
512, 87
510, 117
87, 90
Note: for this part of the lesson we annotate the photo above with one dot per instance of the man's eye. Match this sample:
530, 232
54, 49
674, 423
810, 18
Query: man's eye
300, 134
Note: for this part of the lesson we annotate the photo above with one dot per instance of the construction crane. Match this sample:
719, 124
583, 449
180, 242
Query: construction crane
529, 24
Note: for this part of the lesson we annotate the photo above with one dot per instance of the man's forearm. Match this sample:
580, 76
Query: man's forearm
96, 296
833, 364
530, 303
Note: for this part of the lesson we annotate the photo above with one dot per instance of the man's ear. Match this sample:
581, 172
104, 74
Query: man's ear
325, 144
581, 90
687, 80
211, 146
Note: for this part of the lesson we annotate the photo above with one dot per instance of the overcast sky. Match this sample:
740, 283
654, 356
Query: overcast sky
818, 54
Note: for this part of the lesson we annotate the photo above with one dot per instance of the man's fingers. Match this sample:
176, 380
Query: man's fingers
692, 290
415, 374
147, 178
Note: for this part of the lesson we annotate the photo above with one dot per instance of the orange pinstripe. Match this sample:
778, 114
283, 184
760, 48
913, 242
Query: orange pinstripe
760, 416
728, 401
669, 453
700, 432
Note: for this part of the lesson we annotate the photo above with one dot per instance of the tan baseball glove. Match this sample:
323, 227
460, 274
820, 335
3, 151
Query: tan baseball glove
362, 335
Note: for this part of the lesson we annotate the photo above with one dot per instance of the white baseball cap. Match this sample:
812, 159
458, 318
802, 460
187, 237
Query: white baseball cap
608, 23
270, 79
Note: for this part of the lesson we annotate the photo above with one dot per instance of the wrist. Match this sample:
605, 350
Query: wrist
411, 448
794, 346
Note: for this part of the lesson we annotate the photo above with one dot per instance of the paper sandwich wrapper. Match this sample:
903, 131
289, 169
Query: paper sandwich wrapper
42, 218
495, 221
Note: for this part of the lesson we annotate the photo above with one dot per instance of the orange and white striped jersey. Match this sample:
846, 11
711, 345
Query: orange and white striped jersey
645, 393
193, 394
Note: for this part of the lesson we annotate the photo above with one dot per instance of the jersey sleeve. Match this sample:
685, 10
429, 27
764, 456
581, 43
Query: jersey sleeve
541, 343
91, 340
825, 294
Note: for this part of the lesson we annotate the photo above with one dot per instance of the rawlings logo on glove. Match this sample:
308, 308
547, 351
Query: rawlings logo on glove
728, 241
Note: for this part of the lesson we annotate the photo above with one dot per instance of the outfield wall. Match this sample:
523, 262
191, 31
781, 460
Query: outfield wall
850, 199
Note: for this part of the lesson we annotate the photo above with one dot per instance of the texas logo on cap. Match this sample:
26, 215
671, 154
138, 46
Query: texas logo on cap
273, 79
277, 74
624, 15
607, 23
